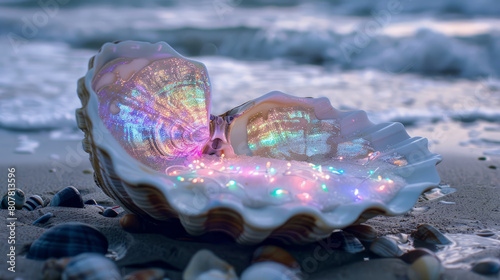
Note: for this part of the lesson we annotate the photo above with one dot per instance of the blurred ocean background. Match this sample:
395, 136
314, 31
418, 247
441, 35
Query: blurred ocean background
416, 62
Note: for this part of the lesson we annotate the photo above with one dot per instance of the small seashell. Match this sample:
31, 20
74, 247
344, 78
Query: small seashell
109, 212
68, 197
91, 266
90, 202
87, 171
33, 202
132, 223
67, 240
43, 219
275, 254
413, 255
485, 233
346, 242
53, 268
269, 271
207, 266
487, 267
147, 274
385, 247
17, 199
426, 268
364, 233
429, 234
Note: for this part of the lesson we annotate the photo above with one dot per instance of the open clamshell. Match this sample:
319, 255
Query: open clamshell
275, 167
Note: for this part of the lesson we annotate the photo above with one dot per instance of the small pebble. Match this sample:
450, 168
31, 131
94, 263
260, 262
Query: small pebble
109, 212
17, 199
132, 223
53, 170
447, 202
67, 197
90, 202
385, 247
346, 242
429, 234
492, 167
422, 209
87, 171
481, 158
485, 233
43, 219
427, 268
33, 203
487, 267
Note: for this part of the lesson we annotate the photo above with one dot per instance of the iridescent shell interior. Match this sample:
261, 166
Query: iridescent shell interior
275, 167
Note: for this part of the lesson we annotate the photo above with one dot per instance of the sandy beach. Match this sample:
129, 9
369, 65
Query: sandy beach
60, 163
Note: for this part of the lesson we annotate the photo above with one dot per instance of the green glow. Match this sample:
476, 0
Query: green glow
231, 185
278, 192
179, 178
323, 186
272, 171
268, 141
371, 172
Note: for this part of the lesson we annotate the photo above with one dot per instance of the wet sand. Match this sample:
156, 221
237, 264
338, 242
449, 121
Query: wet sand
59, 163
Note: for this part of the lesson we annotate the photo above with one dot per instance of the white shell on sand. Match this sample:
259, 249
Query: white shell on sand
204, 265
139, 166
90, 266
269, 271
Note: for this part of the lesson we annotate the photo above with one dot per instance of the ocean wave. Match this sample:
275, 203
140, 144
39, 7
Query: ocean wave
344, 7
424, 51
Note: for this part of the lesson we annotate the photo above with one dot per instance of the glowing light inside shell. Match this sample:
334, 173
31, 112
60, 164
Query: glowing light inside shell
160, 116
278, 192
314, 184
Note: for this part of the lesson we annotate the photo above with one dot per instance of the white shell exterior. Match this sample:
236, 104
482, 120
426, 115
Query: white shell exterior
145, 192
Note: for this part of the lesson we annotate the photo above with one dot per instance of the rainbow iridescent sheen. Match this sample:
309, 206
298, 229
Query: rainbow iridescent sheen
159, 115
292, 133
